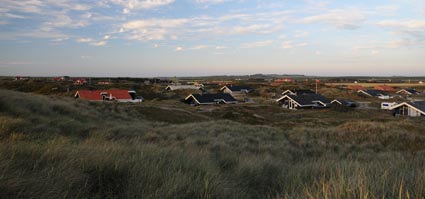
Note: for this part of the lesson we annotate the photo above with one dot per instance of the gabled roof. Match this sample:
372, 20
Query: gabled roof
307, 99
177, 87
298, 92
409, 91
212, 98
96, 95
373, 93
419, 106
120, 94
238, 88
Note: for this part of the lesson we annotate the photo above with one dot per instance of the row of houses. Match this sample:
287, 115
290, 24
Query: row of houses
384, 95
291, 99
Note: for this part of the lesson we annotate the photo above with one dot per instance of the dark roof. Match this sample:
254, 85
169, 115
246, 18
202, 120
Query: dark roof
413, 91
300, 91
308, 99
240, 88
303, 91
213, 98
374, 93
419, 105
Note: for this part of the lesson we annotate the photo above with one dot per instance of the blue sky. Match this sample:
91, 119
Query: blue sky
146, 38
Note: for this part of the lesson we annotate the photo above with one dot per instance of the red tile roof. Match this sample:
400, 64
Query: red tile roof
119, 94
96, 95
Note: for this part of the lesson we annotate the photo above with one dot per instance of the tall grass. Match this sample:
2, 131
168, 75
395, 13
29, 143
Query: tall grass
64, 148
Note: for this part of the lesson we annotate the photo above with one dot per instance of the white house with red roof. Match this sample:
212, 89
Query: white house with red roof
108, 95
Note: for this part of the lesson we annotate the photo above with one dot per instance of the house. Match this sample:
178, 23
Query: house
387, 105
19, 78
304, 101
374, 93
356, 87
412, 109
236, 90
408, 92
61, 78
108, 95
204, 99
298, 92
384, 88
343, 102
80, 81
182, 87
284, 80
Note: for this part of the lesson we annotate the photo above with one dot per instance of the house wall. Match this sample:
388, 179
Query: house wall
414, 113
408, 111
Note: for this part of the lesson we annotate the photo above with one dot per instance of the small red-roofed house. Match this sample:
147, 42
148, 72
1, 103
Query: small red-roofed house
108, 95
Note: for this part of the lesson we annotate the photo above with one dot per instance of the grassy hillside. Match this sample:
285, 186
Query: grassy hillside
54, 147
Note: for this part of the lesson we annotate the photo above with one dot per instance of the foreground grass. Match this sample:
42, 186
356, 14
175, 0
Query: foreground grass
62, 148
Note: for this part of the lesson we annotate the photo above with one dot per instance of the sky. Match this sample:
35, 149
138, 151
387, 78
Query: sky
158, 38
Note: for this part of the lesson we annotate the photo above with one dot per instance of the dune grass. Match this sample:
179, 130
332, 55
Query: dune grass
53, 147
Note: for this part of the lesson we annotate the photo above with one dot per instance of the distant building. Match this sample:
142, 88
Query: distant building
236, 90
408, 92
80, 81
61, 78
108, 95
104, 83
284, 80
182, 87
412, 109
20, 78
205, 99
304, 101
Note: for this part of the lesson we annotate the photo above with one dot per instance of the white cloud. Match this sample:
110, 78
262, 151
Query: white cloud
287, 45
410, 24
98, 43
220, 47
199, 47
153, 29
141, 4
291, 44
341, 18
258, 44
375, 52
84, 40
299, 34
211, 1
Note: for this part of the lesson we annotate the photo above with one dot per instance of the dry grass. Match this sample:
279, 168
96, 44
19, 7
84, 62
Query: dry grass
65, 148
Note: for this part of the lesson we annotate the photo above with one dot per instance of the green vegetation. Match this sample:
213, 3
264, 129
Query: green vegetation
59, 147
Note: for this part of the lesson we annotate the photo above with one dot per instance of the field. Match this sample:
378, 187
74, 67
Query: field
59, 147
